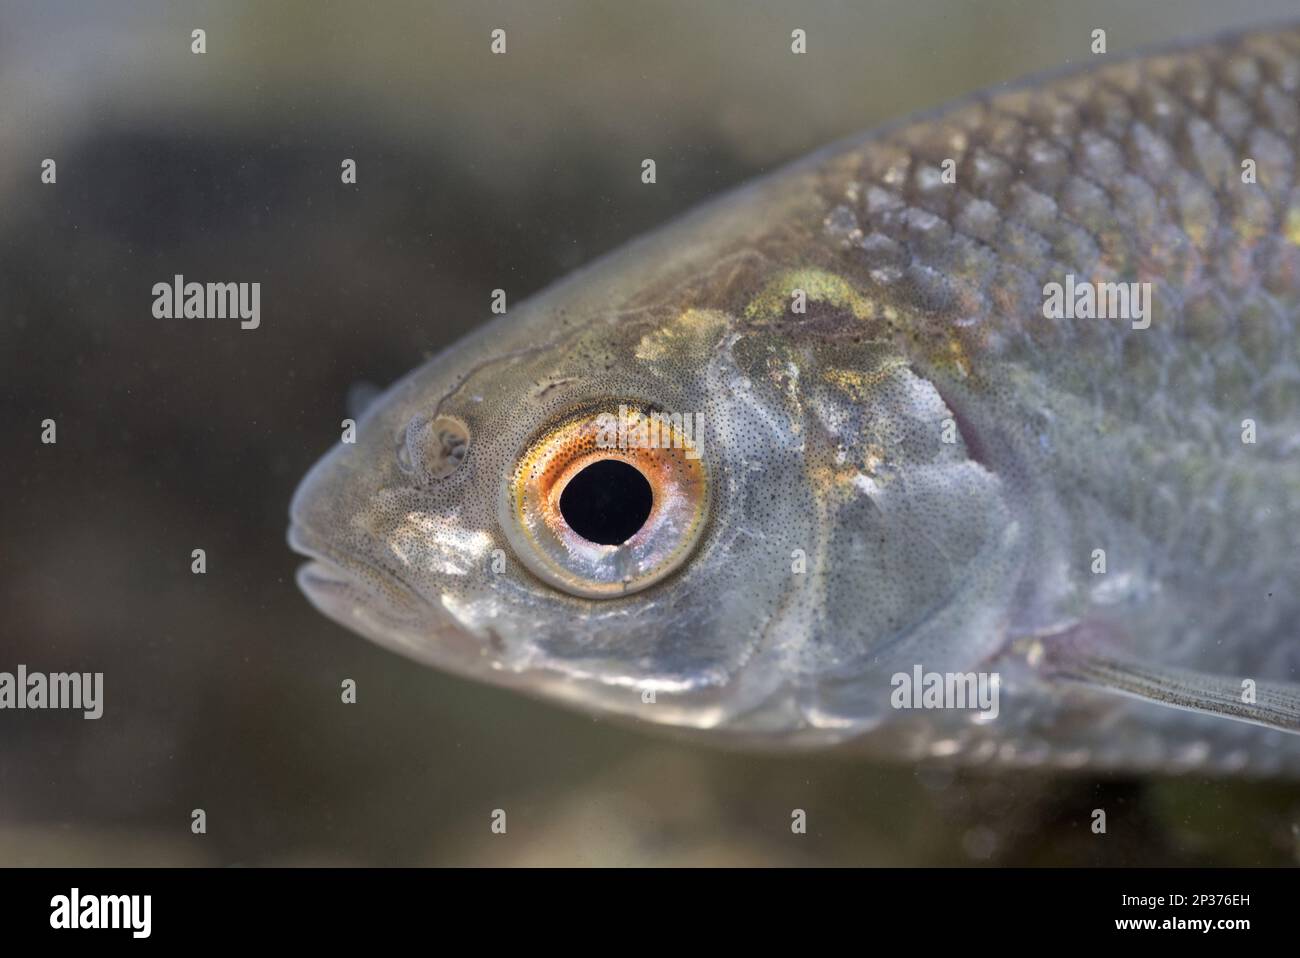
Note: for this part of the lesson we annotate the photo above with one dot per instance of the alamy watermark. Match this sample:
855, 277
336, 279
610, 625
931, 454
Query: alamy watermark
76, 911
632, 429
1086, 300
919, 689
181, 300
56, 690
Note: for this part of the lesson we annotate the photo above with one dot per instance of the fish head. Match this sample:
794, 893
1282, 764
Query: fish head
679, 509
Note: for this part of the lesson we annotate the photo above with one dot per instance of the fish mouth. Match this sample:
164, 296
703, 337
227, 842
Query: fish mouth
374, 602
330, 571
349, 589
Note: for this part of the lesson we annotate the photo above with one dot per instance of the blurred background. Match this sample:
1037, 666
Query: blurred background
474, 172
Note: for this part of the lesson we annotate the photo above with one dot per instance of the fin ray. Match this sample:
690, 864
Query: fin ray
1276, 705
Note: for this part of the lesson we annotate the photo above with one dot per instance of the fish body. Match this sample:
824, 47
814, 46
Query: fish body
921, 448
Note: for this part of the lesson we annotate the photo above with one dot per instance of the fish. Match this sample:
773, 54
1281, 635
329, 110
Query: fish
970, 440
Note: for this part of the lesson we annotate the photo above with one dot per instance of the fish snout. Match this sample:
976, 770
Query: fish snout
366, 597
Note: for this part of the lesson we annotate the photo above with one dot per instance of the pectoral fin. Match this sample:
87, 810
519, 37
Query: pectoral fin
1273, 705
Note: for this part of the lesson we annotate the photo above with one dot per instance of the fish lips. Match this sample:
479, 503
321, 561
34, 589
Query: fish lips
376, 603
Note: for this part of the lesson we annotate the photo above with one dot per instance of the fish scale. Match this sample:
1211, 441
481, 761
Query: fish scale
1170, 380
1160, 400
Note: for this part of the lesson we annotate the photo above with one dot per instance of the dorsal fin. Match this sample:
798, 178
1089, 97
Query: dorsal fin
361, 396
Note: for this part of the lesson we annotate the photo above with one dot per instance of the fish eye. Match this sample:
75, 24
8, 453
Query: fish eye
608, 501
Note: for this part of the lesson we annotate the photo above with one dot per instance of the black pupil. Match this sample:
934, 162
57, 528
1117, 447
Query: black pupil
607, 502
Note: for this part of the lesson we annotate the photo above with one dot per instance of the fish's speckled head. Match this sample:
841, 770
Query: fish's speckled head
817, 522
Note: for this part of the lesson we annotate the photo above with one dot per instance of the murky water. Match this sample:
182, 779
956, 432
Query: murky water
474, 172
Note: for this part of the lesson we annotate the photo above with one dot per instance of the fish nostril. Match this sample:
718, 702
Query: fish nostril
607, 502
433, 449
